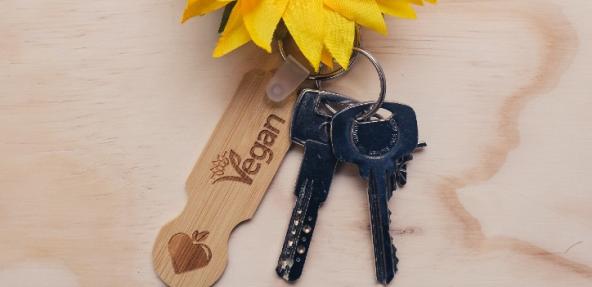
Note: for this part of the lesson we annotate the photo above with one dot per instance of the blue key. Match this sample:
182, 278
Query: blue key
376, 147
310, 128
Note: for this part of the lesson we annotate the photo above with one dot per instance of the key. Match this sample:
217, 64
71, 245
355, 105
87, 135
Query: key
310, 128
376, 147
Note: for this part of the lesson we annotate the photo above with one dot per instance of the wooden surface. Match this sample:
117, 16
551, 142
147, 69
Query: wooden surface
106, 105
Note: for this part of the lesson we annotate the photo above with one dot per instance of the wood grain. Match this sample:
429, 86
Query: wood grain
105, 106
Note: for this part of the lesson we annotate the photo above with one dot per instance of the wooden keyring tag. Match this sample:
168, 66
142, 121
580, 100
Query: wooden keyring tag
226, 185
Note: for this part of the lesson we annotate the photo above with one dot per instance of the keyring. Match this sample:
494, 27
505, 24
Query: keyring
318, 78
381, 77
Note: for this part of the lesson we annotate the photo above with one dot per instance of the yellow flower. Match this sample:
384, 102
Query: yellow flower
322, 29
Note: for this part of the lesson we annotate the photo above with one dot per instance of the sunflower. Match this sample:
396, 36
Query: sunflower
323, 30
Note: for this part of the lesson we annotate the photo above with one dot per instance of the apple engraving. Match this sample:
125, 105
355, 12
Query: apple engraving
187, 253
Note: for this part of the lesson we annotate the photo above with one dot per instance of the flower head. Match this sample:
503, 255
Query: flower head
323, 30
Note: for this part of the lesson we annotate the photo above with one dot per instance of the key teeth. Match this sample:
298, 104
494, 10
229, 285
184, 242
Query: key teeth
399, 177
395, 259
285, 272
300, 229
280, 272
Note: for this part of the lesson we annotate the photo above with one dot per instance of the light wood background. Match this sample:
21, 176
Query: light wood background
106, 105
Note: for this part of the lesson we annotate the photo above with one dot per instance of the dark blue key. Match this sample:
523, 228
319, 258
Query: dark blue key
376, 147
310, 128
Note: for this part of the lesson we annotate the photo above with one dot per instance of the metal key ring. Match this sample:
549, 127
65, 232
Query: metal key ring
381, 77
318, 78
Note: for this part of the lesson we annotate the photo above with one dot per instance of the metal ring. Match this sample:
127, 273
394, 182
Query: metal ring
378, 104
318, 84
330, 75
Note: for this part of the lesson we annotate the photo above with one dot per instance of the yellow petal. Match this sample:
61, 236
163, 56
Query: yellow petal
235, 35
339, 36
420, 2
327, 59
201, 7
398, 8
304, 20
262, 20
246, 6
364, 12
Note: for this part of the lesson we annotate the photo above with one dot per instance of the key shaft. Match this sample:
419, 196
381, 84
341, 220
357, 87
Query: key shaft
316, 173
384, 250
376, 147
310, 128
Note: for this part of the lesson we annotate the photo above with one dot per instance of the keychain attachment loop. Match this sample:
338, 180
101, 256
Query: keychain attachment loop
320, 77
381, 77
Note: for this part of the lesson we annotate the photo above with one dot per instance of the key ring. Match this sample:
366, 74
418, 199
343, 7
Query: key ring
318, 78
381, 77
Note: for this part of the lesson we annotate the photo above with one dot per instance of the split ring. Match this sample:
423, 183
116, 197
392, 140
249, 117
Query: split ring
381, 77
318, 78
